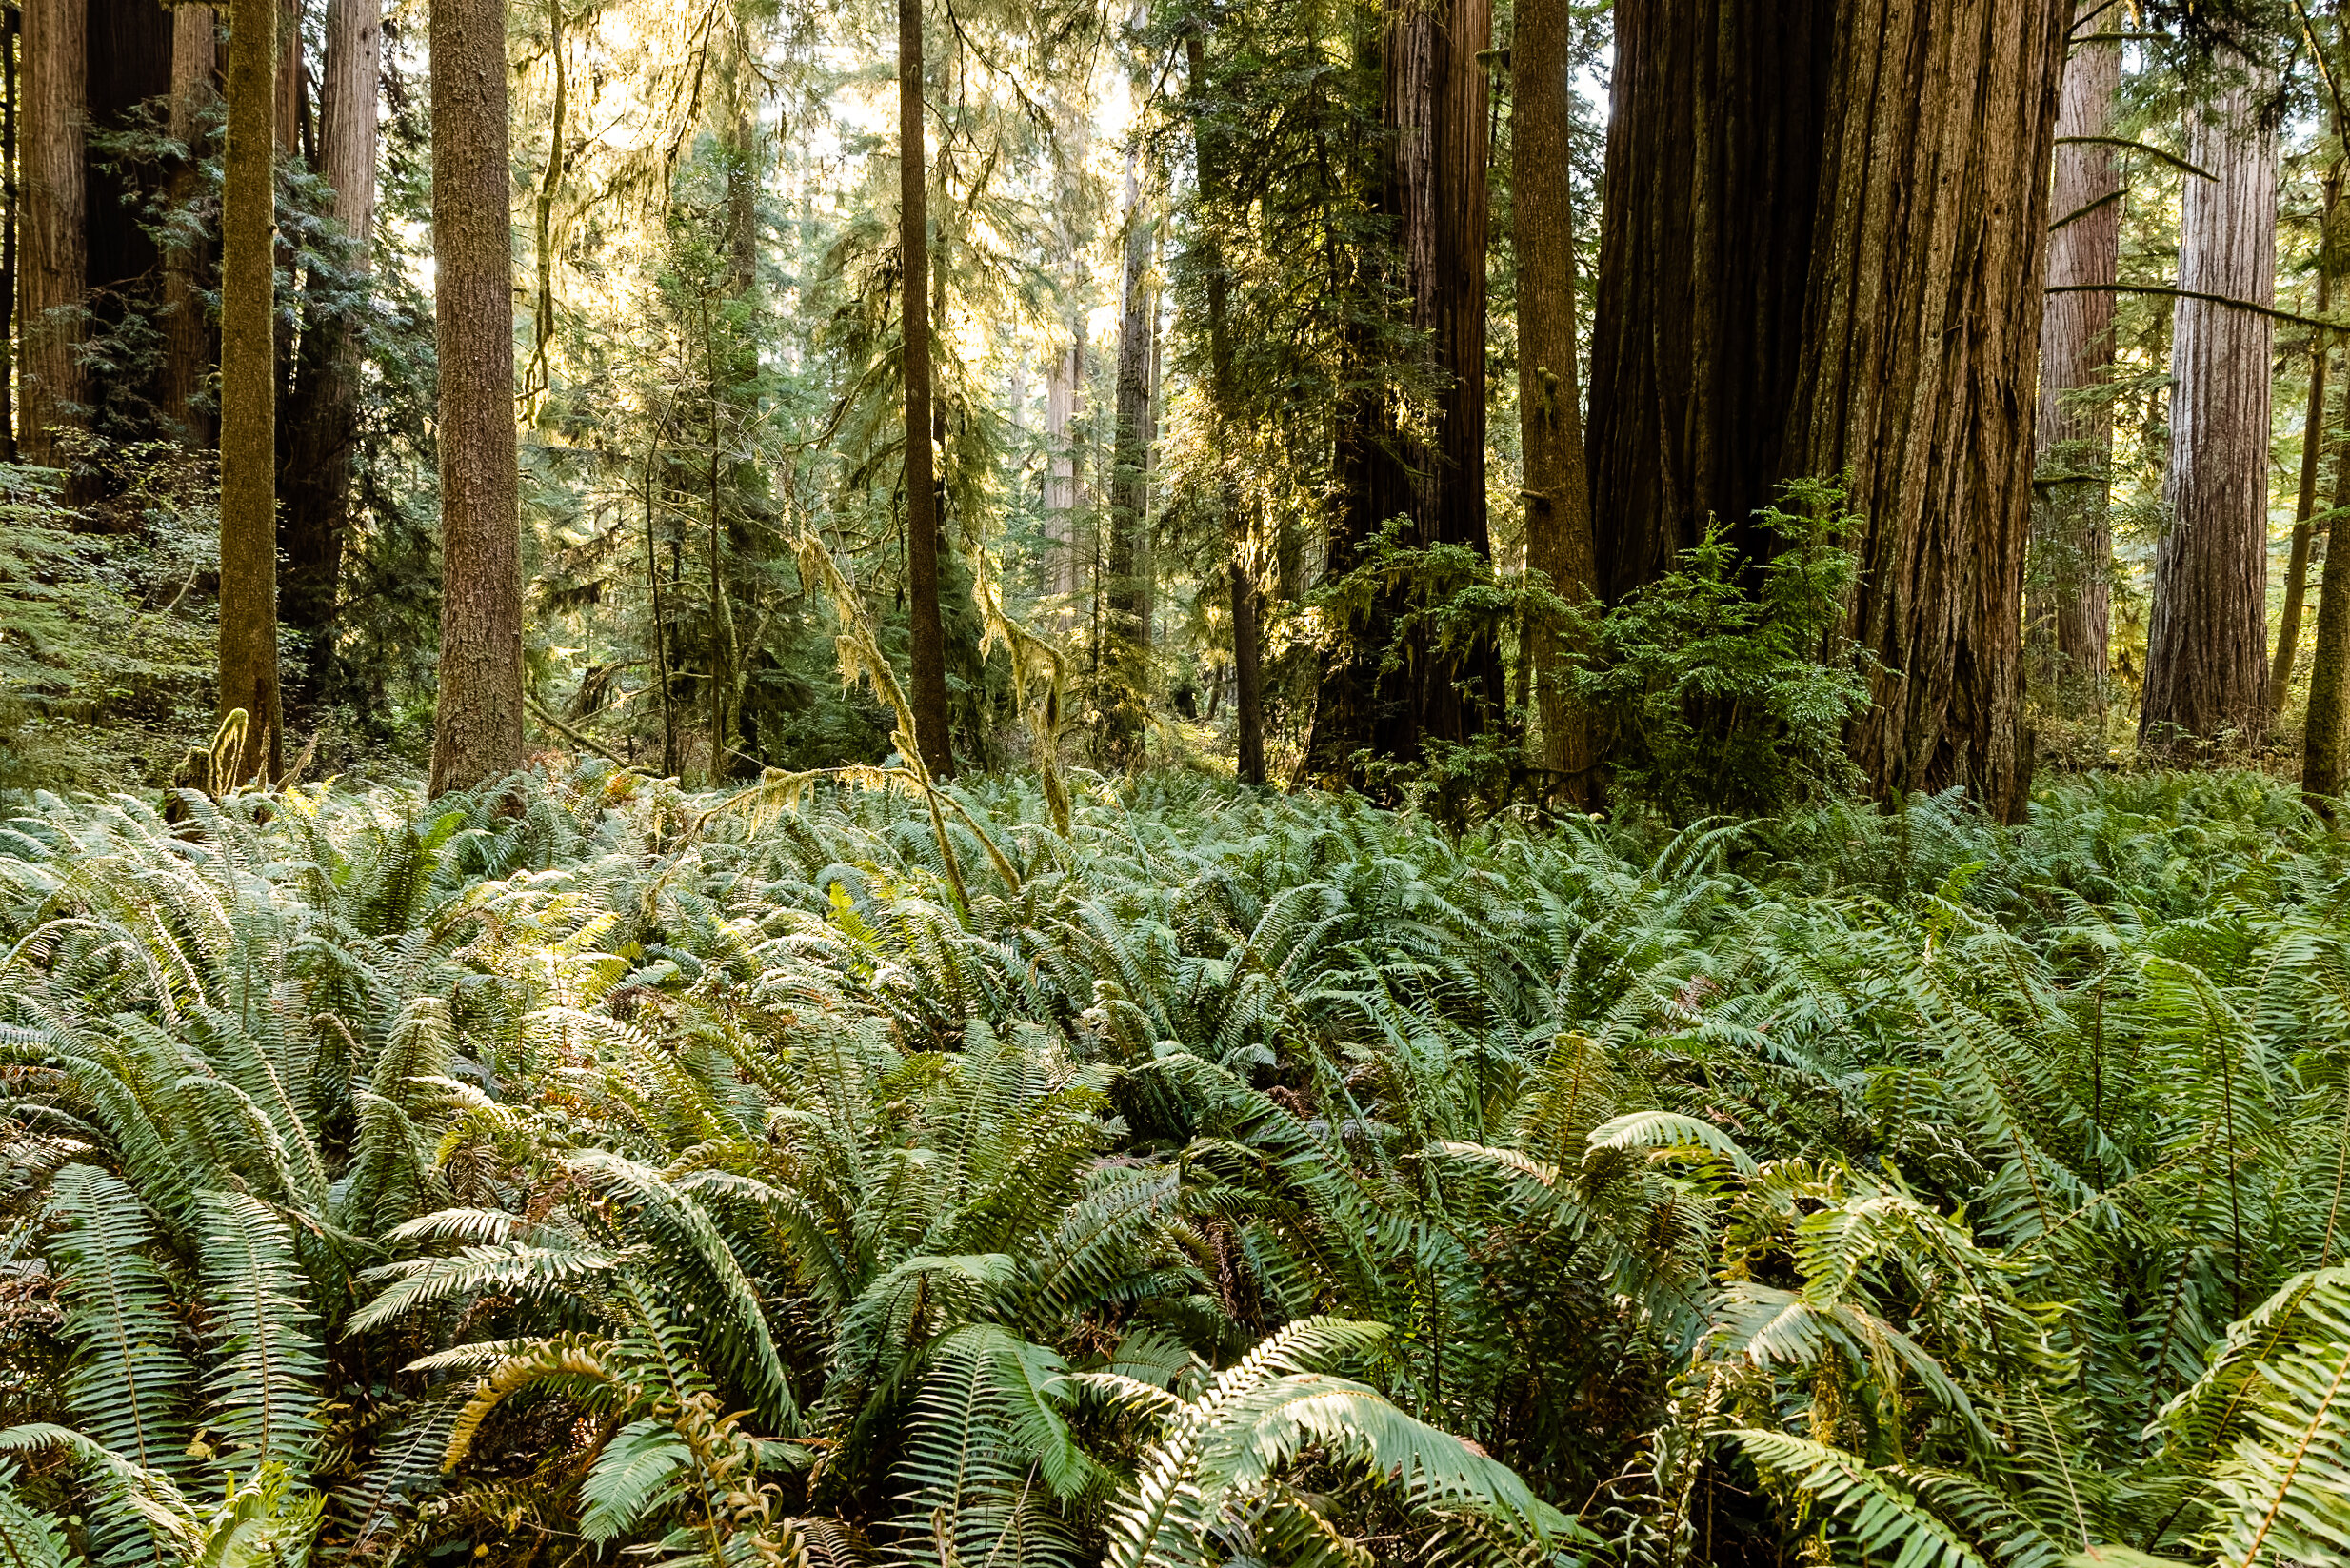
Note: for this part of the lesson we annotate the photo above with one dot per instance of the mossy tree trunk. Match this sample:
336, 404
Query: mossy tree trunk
928, 635
478, 728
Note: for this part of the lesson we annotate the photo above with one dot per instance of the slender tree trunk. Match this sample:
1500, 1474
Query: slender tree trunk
2325, 735
248, 396
325, 407
1558, 493
11, 190
1247, 649
1061, 482
1435, 120
55, 233
2206, 643
2305, 498
188, 348
2074, 536
1128, 608
929, 636
478, 732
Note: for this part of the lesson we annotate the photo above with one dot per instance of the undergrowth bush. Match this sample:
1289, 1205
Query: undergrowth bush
581, 1168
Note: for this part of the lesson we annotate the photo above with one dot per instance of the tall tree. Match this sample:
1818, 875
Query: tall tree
929, 637
248, 676
1375, 696
1558, 493
324, 441
2206, 641
2325, 733
478, 728
2305, 494
188, 348
1126, 604
2072, 534
1247, 648
54, 197
1821, 255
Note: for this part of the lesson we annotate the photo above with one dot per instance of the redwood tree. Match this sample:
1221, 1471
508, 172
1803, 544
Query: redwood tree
2072, 534
55, 231
189, 336
478, 729
1375, 696
1822, 256
2206, 641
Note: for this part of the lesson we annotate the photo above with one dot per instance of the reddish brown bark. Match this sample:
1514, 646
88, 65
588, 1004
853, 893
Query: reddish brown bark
55, 229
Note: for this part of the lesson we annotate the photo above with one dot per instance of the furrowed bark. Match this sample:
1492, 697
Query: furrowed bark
55, 231
248, 676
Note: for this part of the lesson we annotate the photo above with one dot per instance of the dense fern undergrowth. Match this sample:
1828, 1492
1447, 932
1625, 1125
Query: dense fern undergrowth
583, 1172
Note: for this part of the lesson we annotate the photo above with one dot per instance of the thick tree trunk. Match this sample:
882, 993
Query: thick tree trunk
248, 396
1558, 493
2073, 535
1707, 209
1921, 344
1435, 119
188, 339
326, 402
1821, 256
478, 730
1126, 610
53, 199
1247, 650
2206, 642
929, 637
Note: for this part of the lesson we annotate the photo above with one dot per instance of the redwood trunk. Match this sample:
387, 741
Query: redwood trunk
1435, 121
1125, 610
1558, 493
2072, 534
2206, 643
249, 678
54, 227
928, 635
326, 401
478, 730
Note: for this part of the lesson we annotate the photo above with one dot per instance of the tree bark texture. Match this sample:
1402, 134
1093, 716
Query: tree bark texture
249, 677
2206, 640
190, 345
129, 53
1435, 121
12, 33
324, 408
928, 634
478, 729
1558, 493
54, 197
1822, 256
2072, 528
1714, 149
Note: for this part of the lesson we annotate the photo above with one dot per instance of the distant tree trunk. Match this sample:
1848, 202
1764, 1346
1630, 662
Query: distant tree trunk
1247, 650
2305, 496
928, 633
325, 407
2073, 531
1435, 119
2206, 642
249, 397
55, 227
478, 729
1821, 255
188, 335
2325, 734
1061, 480
1126, 605
1557, 492
10, 191
1707, 213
